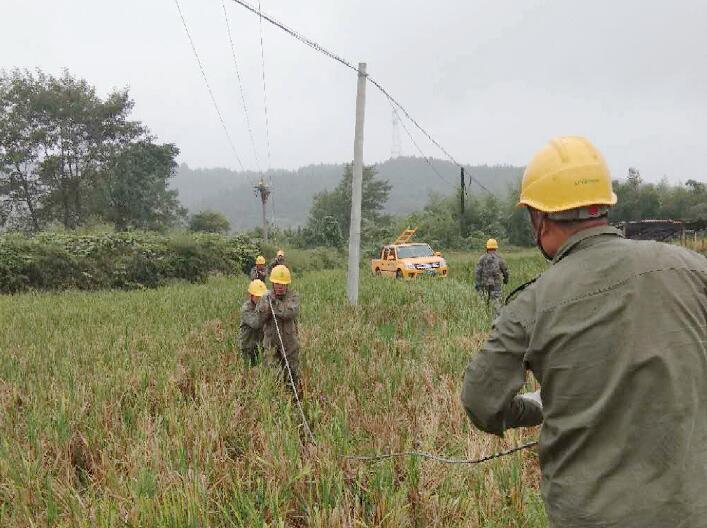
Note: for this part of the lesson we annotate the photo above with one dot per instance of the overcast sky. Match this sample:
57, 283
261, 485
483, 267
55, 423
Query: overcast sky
492, 80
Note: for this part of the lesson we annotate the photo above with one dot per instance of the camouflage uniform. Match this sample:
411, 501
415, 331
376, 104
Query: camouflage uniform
616, 333
286, 310
258, 274
274, 262
490, 270
250, 335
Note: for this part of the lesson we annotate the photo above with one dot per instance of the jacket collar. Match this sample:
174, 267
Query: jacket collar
576, 239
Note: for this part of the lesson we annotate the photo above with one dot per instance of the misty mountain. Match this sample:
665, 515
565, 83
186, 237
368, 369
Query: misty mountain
412, 180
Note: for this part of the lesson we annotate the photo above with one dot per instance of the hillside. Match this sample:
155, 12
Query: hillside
412, 180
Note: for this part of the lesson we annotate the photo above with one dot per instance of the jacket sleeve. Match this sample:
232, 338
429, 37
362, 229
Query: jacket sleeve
288, 308
493, 378
263, 308
253, 273
504, 270
251, 317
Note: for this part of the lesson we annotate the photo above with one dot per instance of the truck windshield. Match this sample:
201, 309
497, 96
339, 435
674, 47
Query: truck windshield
422, 250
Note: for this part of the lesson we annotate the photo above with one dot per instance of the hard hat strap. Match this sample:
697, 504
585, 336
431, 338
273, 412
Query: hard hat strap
581, 213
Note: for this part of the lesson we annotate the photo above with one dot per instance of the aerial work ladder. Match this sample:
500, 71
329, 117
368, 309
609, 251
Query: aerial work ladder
405, 236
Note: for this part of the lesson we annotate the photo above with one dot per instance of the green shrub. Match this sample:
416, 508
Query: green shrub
62, 260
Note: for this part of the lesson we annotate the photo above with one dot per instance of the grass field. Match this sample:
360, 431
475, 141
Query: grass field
135, 409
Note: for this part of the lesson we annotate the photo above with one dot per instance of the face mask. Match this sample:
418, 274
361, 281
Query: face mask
537, 233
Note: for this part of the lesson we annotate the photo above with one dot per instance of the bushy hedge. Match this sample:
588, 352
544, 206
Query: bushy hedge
57, 261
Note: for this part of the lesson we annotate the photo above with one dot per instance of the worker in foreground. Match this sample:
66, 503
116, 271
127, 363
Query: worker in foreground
283, 302
615, 331
490, 271
279, 260
258, 272
250, 335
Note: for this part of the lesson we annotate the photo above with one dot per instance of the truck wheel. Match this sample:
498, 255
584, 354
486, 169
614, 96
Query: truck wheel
378, 272
399, 274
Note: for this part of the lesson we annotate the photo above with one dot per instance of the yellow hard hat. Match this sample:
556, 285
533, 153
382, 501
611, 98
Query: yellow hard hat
280, 275
260, 260
491, 243
280, 253
257, 288
567, 173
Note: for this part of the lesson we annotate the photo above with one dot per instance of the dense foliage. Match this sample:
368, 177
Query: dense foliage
330, 214
126, 260
209, 222
640, 201
70, 157
486, 215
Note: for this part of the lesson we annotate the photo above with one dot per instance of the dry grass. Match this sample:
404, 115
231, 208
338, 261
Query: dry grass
134, 409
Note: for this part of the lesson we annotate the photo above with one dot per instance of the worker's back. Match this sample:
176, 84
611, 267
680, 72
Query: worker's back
617, 338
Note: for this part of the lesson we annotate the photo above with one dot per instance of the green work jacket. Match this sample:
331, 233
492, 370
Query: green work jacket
250, 335
615, 332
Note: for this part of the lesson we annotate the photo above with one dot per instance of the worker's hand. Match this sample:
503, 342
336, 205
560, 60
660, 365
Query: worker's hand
533, 397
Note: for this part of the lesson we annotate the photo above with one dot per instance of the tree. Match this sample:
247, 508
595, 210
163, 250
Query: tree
330, 214
133, 190
61, 144
209, 222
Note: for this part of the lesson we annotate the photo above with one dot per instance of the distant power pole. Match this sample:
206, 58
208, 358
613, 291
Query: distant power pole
395, 145
356, 183
462, 223
263, 190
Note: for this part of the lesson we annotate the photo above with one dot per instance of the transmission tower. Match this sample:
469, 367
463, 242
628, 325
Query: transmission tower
395, 147
263, 190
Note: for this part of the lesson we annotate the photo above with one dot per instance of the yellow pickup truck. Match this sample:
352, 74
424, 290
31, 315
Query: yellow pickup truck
403, 259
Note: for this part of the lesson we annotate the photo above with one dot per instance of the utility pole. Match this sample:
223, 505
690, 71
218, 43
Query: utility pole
263, 190
356, 183
461, 195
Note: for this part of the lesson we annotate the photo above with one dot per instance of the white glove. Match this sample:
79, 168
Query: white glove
533, 397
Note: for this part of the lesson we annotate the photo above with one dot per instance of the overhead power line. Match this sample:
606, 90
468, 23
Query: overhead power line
321, 49
208, 86
265, 91
417, 147
240, 86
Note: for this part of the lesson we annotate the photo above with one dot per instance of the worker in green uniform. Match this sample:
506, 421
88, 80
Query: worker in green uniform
279, 260
250, 336
490, 272
615, 331
258, 271
279, 309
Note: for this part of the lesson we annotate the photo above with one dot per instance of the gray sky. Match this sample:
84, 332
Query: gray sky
492, 80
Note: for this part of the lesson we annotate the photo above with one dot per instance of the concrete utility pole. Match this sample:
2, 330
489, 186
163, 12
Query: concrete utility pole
461, 194
356, 183
263, 190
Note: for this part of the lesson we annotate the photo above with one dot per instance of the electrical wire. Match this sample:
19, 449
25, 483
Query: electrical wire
305, 424
208, 86
265, 92
441, 459
240, 86
417, 147
321, 49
